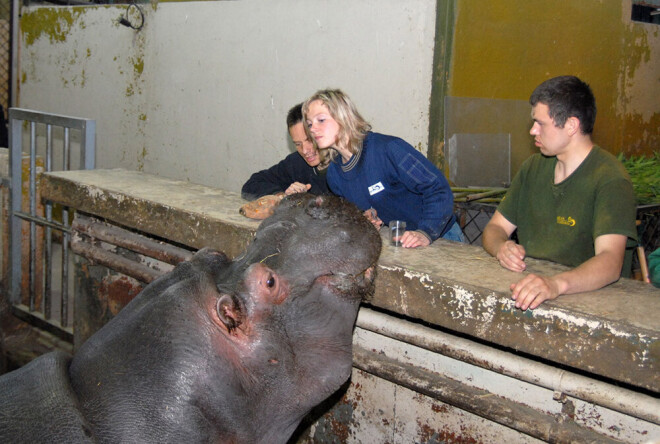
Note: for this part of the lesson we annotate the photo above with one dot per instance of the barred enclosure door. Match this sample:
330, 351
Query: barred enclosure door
38, 276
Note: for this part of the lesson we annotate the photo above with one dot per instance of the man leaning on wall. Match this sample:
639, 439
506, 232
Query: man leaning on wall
302, 171
572, 203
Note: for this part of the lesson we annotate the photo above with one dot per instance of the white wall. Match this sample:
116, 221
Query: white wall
201, 92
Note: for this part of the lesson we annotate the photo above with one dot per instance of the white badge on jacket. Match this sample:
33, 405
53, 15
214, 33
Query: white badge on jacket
376, 188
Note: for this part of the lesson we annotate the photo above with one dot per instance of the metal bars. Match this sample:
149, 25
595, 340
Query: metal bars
35, 255
88, 233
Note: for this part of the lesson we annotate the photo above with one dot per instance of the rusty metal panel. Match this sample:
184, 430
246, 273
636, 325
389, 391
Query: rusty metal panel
100, 294
374, 410
411, 395
112, 266
529, 408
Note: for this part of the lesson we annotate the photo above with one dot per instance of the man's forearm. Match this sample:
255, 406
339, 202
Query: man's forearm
595, 273
492, 239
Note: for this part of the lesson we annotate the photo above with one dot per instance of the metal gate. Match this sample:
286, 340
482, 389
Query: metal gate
37, 275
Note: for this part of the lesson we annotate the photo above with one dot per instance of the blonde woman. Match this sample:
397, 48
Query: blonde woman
383, 175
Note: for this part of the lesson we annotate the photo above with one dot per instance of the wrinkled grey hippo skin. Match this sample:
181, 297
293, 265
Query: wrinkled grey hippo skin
216, 350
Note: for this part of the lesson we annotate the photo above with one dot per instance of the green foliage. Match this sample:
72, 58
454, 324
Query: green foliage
645, 175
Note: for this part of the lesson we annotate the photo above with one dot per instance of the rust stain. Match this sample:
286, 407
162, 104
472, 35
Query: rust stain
590, 416
426, 433
568, 410
429, 435
26, 258
335, 425
340, 430
439, 408
117, 291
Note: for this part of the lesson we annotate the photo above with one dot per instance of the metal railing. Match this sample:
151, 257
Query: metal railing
31, 249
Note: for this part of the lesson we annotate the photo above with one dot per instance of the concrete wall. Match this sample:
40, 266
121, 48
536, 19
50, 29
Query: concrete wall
201, 92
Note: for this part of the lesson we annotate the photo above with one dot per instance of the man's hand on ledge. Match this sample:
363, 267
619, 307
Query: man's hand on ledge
297, 187
532, 290
512, 256
593, 274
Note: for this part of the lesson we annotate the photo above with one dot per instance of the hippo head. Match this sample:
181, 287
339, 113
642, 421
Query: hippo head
235, 351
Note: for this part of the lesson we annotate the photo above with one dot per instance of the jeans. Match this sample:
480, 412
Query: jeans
455, 233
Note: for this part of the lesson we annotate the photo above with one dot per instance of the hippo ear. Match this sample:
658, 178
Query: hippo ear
229, 312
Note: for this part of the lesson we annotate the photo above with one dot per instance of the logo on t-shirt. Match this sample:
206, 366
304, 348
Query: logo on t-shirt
376, 188
566, 221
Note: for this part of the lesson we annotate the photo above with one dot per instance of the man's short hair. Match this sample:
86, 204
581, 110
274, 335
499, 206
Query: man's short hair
567, 96
294, 116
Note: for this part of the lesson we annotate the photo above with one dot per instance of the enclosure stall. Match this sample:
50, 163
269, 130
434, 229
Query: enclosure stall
440, 354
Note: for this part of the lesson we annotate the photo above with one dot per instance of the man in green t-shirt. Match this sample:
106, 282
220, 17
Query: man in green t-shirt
573, 203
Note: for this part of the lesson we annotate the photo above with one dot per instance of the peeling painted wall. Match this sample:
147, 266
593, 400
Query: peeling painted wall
637, 105
503, 49
202, 91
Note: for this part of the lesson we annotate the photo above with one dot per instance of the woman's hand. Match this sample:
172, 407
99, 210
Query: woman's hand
414, 239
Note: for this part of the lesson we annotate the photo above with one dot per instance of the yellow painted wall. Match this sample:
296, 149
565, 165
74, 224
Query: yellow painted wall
502, 49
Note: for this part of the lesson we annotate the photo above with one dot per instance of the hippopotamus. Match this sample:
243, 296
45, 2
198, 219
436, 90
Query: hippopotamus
217, 350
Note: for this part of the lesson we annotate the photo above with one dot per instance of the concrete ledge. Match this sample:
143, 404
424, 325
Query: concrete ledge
182, 212
613, 332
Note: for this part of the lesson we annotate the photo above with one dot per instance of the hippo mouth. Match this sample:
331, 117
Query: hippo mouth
358, 286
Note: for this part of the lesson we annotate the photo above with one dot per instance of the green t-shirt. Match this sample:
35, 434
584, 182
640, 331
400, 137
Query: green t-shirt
561, 222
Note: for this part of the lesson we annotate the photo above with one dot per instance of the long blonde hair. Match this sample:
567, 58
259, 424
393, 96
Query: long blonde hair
352, 125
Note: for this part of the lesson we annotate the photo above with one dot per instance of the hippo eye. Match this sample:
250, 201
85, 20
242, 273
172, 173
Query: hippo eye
270, 282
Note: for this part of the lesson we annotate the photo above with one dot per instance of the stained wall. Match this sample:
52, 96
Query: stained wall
201, 92
503, 49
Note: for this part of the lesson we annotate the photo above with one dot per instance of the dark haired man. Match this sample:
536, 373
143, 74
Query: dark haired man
303, 171
573, 203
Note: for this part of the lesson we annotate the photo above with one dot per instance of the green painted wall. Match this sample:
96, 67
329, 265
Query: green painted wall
502, 49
